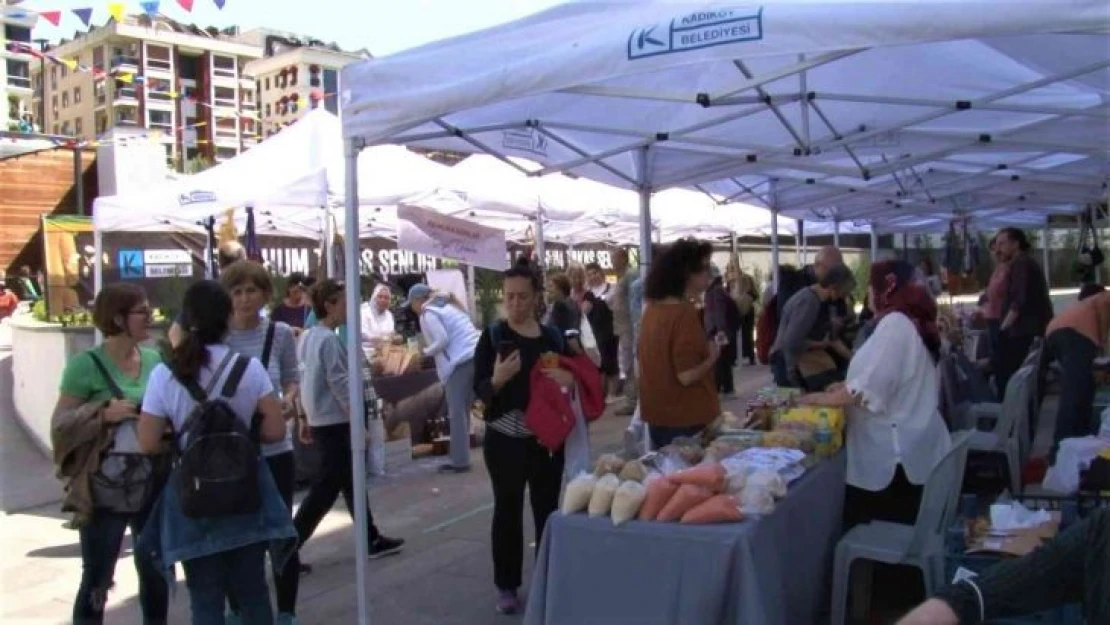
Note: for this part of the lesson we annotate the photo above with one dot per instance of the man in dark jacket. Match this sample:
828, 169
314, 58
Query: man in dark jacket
722, 319
1026, 310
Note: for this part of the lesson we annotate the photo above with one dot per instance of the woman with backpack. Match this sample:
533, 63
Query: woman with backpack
506, 354
220, 510
110, 483
273, 344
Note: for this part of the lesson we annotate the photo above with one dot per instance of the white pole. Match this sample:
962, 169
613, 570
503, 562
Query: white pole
659, 235
874, 245
774, 195
329, 237
836, 233
472, 292
541, 245
643, 165
354, 383
98, 272
1047, 237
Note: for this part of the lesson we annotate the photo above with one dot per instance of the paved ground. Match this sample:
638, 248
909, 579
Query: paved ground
444, 576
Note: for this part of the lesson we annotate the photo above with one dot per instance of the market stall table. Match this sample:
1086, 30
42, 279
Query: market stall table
771, 571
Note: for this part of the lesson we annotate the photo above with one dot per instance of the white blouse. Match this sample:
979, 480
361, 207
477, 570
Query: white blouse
898, 421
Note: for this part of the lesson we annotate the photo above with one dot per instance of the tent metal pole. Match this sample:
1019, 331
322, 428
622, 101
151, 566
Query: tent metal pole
643, 175
874, 245
836, 232
799, 236
354, 380
472, 292
1046, 237
98, 271
541, 243
773, 191
209, 244
329, 236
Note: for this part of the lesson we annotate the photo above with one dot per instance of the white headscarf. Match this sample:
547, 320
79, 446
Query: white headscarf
376, 324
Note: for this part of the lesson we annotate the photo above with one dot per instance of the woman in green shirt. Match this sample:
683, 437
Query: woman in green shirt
115, 372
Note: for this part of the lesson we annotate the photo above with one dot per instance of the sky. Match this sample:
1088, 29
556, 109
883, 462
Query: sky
381, 26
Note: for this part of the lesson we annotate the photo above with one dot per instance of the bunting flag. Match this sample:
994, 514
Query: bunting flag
70, 63
116, 9
186, 4
150, 7
54, 17
125, 77
219, 4
84, 14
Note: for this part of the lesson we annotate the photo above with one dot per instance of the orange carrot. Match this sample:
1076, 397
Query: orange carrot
717, 509
711, 476
659, 492
683, 500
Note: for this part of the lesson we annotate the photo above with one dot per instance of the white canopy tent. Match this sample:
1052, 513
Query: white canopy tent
843, 110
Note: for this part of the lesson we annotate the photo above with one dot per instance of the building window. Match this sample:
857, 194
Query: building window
65, 99
188, 67
224, 96
13, 32
19, 73
162, 120
57, 130
65, 71
224, 66
331, 91
293, 71
159, 58
267, 83
77, 95
54, 77
65, 127
99, 92
98, 57
101, 123
267, 114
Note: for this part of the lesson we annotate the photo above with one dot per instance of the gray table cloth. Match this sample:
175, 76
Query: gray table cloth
770, 571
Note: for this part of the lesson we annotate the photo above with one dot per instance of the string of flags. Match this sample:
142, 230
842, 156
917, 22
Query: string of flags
116, 10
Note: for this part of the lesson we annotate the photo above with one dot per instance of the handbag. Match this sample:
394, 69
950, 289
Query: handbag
124, 480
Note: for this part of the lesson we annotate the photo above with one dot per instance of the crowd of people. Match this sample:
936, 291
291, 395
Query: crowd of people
665, 344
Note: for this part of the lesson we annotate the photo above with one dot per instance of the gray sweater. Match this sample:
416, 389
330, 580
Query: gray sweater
798, 318
324, 377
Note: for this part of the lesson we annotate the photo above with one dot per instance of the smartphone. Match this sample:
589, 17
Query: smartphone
505, 349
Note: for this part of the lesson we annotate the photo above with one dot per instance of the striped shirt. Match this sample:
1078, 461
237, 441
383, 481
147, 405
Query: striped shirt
282, 366
511, 424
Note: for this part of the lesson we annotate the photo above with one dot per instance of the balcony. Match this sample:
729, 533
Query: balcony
127, 119
124, 63
19, 85
125, 96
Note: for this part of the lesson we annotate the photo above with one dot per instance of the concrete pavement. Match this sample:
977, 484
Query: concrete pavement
443, 577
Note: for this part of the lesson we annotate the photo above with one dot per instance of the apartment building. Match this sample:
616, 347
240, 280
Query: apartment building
15, 71
183, 84
294, 76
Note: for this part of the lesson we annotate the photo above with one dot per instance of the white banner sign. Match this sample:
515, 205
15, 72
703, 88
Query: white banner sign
428, 232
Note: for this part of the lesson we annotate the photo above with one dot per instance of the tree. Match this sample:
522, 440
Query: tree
193, 165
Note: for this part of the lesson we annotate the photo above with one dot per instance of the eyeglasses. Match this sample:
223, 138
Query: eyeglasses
145, 312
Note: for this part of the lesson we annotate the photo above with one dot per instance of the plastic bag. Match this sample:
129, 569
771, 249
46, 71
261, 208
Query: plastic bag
684, 499
577, 495
756, 501
576, 449
769, 481
627, 501
709, 476
608, 463
633, 470
659, 492
716, 509
601, 501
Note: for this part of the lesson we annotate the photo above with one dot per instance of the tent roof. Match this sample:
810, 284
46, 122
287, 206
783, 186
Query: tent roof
869, 112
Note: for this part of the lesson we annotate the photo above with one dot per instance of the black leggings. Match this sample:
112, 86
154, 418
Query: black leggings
287, 580
514, 463
722, 369
334, 477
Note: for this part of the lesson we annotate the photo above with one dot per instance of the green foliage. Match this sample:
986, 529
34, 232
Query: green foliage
861, 270
487, 290
193, 165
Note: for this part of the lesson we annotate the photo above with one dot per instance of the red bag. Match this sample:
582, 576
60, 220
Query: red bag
550, 413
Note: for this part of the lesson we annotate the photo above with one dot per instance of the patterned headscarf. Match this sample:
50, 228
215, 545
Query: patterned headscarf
895, 290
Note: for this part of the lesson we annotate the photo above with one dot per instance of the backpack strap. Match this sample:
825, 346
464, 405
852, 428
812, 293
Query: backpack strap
268, 345
237, 370
200, 395
113, 387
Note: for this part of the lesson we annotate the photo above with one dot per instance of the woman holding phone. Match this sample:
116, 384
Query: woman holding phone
506, 354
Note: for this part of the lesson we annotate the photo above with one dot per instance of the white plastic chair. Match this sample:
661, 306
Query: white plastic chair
920, 544
1010, 423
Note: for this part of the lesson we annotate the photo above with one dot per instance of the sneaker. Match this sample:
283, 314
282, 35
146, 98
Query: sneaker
385, 546
450, 468
286, 619
507, 602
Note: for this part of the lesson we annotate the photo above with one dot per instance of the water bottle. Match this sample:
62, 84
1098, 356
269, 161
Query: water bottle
823, 436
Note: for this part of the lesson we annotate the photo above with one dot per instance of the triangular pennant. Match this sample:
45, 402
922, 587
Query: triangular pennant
84, 14
70, 63
302, 103
115, 9
186, 4
174, 94
219, 4
126, 78
150, 7
54, 17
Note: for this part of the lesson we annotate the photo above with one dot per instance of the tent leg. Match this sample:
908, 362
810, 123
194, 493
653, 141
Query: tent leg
354, 381
836, 233
541, 244
472, 292
643, 166
874, 245
209, 247
329, 236
98, 272
1047, 238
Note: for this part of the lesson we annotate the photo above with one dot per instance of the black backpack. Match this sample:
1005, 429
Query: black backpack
217, 470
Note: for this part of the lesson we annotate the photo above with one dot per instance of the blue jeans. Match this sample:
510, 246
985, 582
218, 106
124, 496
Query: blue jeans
242, 572
101, 539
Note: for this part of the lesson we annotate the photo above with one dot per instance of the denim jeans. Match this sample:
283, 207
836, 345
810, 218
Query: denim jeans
101, 539
1075, 414
240, 571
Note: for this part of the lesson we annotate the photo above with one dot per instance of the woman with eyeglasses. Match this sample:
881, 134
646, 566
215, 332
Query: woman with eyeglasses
110, 484
678, 391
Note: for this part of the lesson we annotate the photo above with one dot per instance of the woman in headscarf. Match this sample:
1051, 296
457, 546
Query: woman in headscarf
377, 318
895, 432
